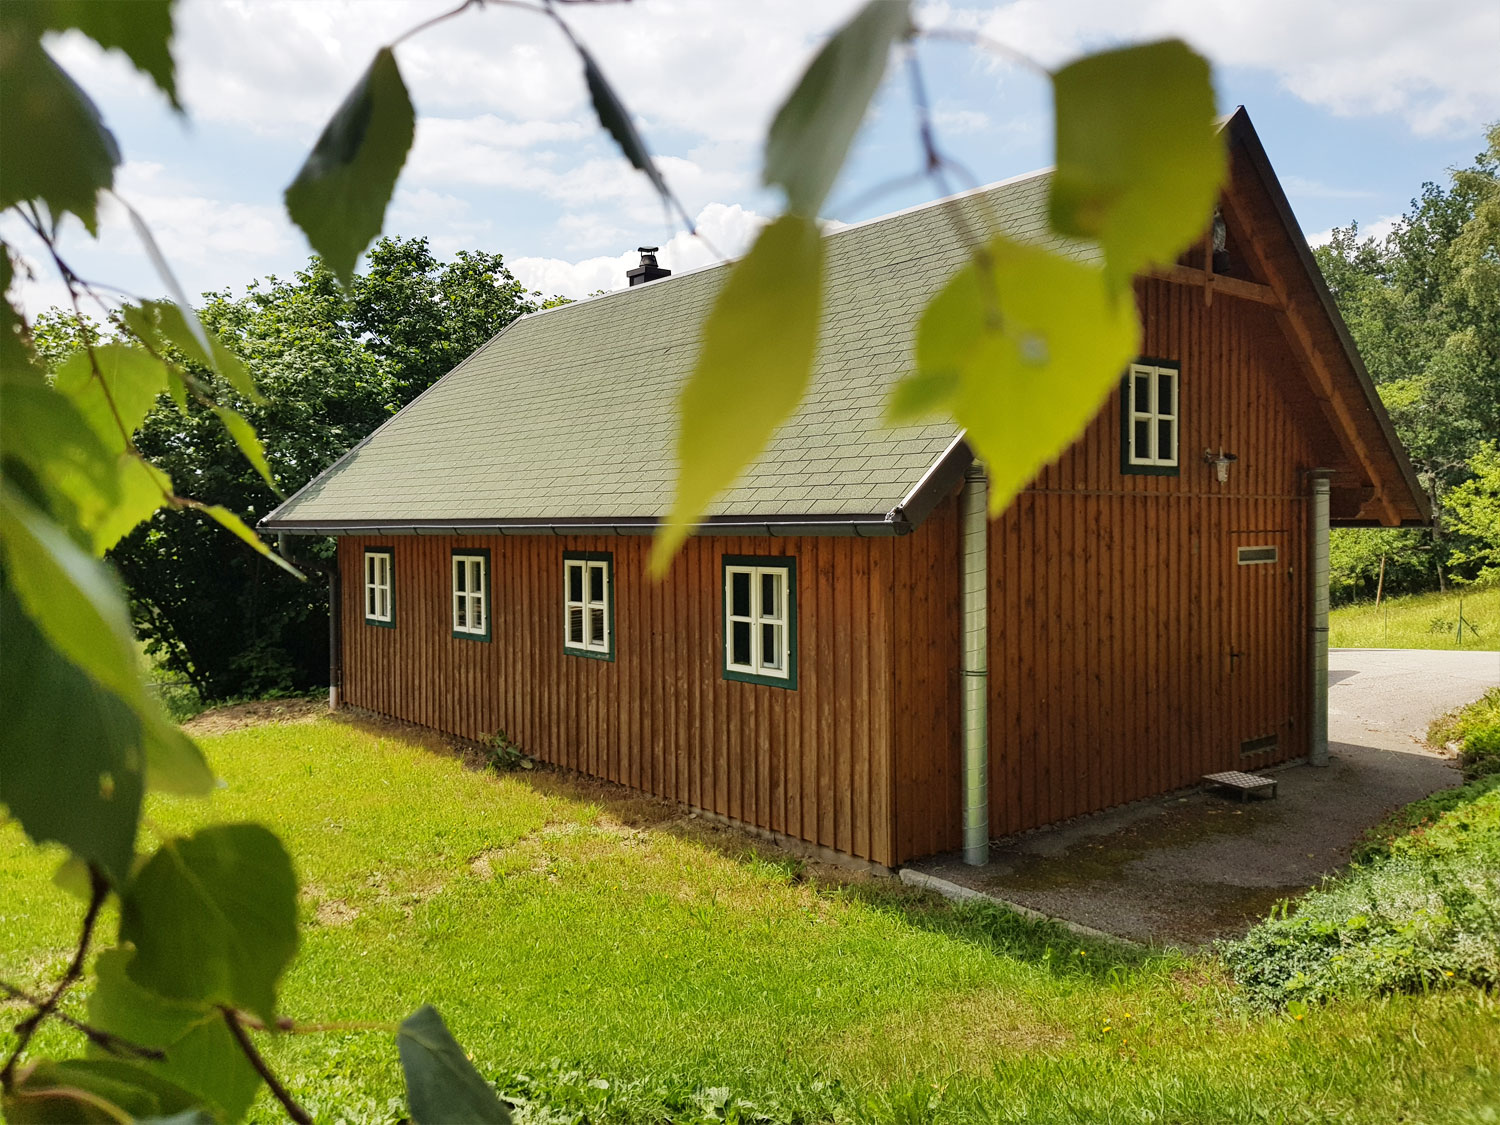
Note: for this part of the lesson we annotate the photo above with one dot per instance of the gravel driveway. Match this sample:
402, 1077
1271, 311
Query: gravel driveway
1190, 867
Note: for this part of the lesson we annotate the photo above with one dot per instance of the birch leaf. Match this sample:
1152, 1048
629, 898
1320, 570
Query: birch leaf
1027, 343
753, 369
340, 195
1140, 157
812, 131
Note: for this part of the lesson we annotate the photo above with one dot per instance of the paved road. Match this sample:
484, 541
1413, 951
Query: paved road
1387, 697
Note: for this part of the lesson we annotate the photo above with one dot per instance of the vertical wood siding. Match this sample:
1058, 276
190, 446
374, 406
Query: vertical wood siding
1130, 653
814, 763
928, 727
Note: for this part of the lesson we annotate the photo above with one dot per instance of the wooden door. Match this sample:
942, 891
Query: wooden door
1263, 656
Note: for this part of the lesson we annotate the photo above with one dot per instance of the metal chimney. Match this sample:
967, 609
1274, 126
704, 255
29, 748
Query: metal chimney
648, 270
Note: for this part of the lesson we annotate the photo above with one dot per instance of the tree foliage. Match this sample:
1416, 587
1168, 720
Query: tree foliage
332, 364
1474, 512
136, 433
1364, 561
1423, 306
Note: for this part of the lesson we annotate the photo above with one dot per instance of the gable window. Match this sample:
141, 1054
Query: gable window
471, 594
588, 604
1149, 417
760, 620
380, 601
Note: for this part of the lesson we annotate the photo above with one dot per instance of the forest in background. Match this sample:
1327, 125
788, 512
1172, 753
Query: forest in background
1423, 305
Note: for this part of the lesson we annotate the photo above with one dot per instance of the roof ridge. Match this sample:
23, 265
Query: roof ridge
844, 228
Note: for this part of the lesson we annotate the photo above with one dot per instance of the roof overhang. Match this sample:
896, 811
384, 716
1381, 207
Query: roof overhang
874, 524
941, 478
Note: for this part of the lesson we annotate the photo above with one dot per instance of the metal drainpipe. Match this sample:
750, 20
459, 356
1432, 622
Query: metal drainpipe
974, 581
335, 636
1317, 753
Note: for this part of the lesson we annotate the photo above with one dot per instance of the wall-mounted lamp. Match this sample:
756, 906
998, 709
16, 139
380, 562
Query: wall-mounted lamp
1221, 462
1220, 243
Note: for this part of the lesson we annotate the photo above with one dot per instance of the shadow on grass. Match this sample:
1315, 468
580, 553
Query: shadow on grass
987, 925
1004, 932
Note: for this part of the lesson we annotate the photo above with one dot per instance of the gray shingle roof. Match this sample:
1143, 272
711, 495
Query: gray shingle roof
569, 413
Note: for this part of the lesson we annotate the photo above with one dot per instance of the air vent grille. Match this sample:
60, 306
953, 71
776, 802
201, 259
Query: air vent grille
1253, 746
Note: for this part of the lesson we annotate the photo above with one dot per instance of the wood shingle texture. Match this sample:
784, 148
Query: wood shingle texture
569, 414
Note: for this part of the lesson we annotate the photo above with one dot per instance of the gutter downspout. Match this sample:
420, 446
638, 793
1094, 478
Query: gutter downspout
974, 582
1317, 751
335, 636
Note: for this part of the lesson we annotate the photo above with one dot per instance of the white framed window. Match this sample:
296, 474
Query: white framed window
1149, 418
380, 602
588, 604
760, 620
471, 594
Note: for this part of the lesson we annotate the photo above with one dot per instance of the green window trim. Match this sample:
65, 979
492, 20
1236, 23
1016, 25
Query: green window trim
756, 620
586, 603
370, 588
484, 599
1153, 466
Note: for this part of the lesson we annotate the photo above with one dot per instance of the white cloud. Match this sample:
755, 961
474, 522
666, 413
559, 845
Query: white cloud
210, 243
280, 67
1378, 229
446, 221
508, 154
948, 122
1300, 187
192, 229
1431, 64
486, 152
727, 228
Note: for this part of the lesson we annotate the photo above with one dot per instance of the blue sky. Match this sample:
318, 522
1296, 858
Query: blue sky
1357, 106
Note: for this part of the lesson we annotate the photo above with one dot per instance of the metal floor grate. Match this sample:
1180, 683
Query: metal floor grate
1242, 783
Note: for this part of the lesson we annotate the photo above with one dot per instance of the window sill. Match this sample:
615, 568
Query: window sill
590, 654
788, 682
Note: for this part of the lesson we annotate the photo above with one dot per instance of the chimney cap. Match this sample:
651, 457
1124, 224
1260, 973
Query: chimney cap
648, 270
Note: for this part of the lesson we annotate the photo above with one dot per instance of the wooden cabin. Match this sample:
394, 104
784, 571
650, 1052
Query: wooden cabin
1148, 607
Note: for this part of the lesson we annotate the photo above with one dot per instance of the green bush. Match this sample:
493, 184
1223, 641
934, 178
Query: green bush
1475, 730
1414, 821
1480, 756
1403, 926
1422, 913
179, 698
1456, 726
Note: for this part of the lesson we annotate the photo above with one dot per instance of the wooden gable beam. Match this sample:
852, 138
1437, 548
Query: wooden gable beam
1299, 332
1217, 282
1293, 324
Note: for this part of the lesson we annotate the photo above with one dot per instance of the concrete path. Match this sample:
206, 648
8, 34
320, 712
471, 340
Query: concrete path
1188, 868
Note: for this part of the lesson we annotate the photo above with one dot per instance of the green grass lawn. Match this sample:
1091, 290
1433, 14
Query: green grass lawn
1420, 621
614, 961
